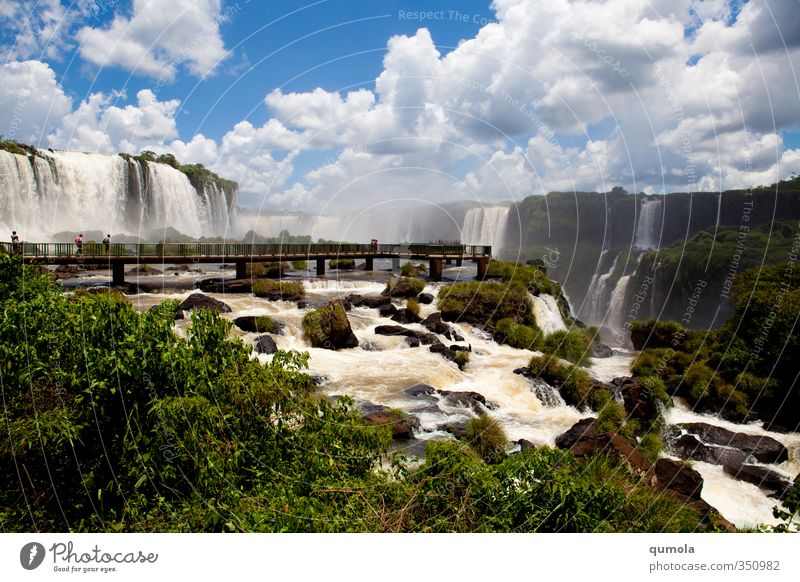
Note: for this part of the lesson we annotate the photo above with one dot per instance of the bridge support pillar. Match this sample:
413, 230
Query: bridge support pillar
482, 266
241, 269
448, 261
459, 262
396, 265
320, 267
368, 264
435, 269
117, 273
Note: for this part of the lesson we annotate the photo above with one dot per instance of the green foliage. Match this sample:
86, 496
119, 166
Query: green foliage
266, 324
572, 382
300, 265
13, 147
487, 437
407, 269
269, 270
321, 325
569, 345
412, 286
413, 305
484, 303
342, 264
651, 446
519, 335
529, 277
273, 290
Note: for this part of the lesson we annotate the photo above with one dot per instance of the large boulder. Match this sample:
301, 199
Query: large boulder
402, 425
584, 439
679, 477
372, 301
329, 328
200, 301
221, 285
763, 448
405, 315
265, 345
601, 350
67, 271
407, 287
772, 481
259, 324
425, 298
435, 324
387, 310
688, 446
398, 330
477, 402
637, 399
144, 270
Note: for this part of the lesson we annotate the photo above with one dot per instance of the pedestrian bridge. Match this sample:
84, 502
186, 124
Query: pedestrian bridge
117, 255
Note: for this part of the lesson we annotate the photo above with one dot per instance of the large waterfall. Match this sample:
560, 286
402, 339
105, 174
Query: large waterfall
648, 224
486, 226
69, 191
597, 296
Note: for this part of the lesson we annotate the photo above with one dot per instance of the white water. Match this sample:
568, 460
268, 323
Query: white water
382, 367
616, 309
648, 224
547, 313
598, 294
70, 191
486, 226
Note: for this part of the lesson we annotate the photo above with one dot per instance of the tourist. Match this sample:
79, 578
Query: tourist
79, 244
107, 243
16, 246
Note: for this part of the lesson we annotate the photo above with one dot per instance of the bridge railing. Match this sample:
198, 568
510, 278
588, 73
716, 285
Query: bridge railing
233, 250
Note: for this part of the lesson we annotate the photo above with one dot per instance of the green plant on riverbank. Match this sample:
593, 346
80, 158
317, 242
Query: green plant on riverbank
279, 290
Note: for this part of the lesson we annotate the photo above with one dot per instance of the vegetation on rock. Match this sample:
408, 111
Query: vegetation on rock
279, 290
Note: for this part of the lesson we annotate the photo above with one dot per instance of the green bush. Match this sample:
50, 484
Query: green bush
407, 269
518, 335
300, 265
342, 264
269, 270
484, 303
328, 327
487, 437
279, 290
413, 305
266, 324
651, 446
569, 345
573, 383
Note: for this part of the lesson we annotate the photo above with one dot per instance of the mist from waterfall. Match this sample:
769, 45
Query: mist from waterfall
486, 226
70, 191
648, 231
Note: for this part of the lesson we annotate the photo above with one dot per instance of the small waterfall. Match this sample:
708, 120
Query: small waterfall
616, 310
648, 233
486, 226
598, 293
68, 191
547, 395
547, 313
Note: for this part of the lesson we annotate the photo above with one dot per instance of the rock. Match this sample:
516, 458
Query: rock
67, 271
762, 477
601, 350
690, 447
200, 301
387, 310
583, 439
763, 448
404, 287
319, 380
525, 445
679, 477
458, 428
371, 347
372, 301
329, 328
435, 324
443, 350
419, 390
458, 348
179, 268
395, 330
221, 285
405, 315
179, 315
477, 402
412, 342
266, 345
425, 298
402, 425
255, 324
526, 373
227, 266
143, 270
636, 398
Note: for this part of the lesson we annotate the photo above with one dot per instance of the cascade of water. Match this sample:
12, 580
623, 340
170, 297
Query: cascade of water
598, 293
66, 191
616, 309
486, 226
647, 225
547, 395
547, 313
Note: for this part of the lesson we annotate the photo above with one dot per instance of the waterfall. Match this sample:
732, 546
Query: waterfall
598, 292
69, 191
648, 232
547, 313
616, 310
546, 394
486, 226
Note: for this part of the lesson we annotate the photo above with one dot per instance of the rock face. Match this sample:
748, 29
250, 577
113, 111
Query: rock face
402, 425
583, 439
690, 447
435, 324
265, 345
143, 270
762, 477
221, 285
763, 448
473, 400
329, 328
200, 301
256, 324
679, 477
636, 398
424, 338
405, 315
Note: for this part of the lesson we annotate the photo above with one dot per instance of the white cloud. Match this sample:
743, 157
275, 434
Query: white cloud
158, 37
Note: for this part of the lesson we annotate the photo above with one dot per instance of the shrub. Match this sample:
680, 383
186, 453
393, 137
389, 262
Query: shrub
651, 446
573, 383
404, 287
279, 290
484, 303
408, 270
569, 345
329, 328
518, 335
269, 270
413, 306
342, 264
266, 324
300, 265
487, 437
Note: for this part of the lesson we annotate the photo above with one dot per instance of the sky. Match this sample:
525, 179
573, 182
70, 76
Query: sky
328, 105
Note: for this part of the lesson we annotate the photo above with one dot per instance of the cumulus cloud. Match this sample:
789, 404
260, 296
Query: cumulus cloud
158, 37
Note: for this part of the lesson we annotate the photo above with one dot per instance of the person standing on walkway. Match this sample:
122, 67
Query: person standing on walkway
16, 246
107, 243
79, 244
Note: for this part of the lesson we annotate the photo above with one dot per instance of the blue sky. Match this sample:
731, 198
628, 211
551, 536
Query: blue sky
306, 102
